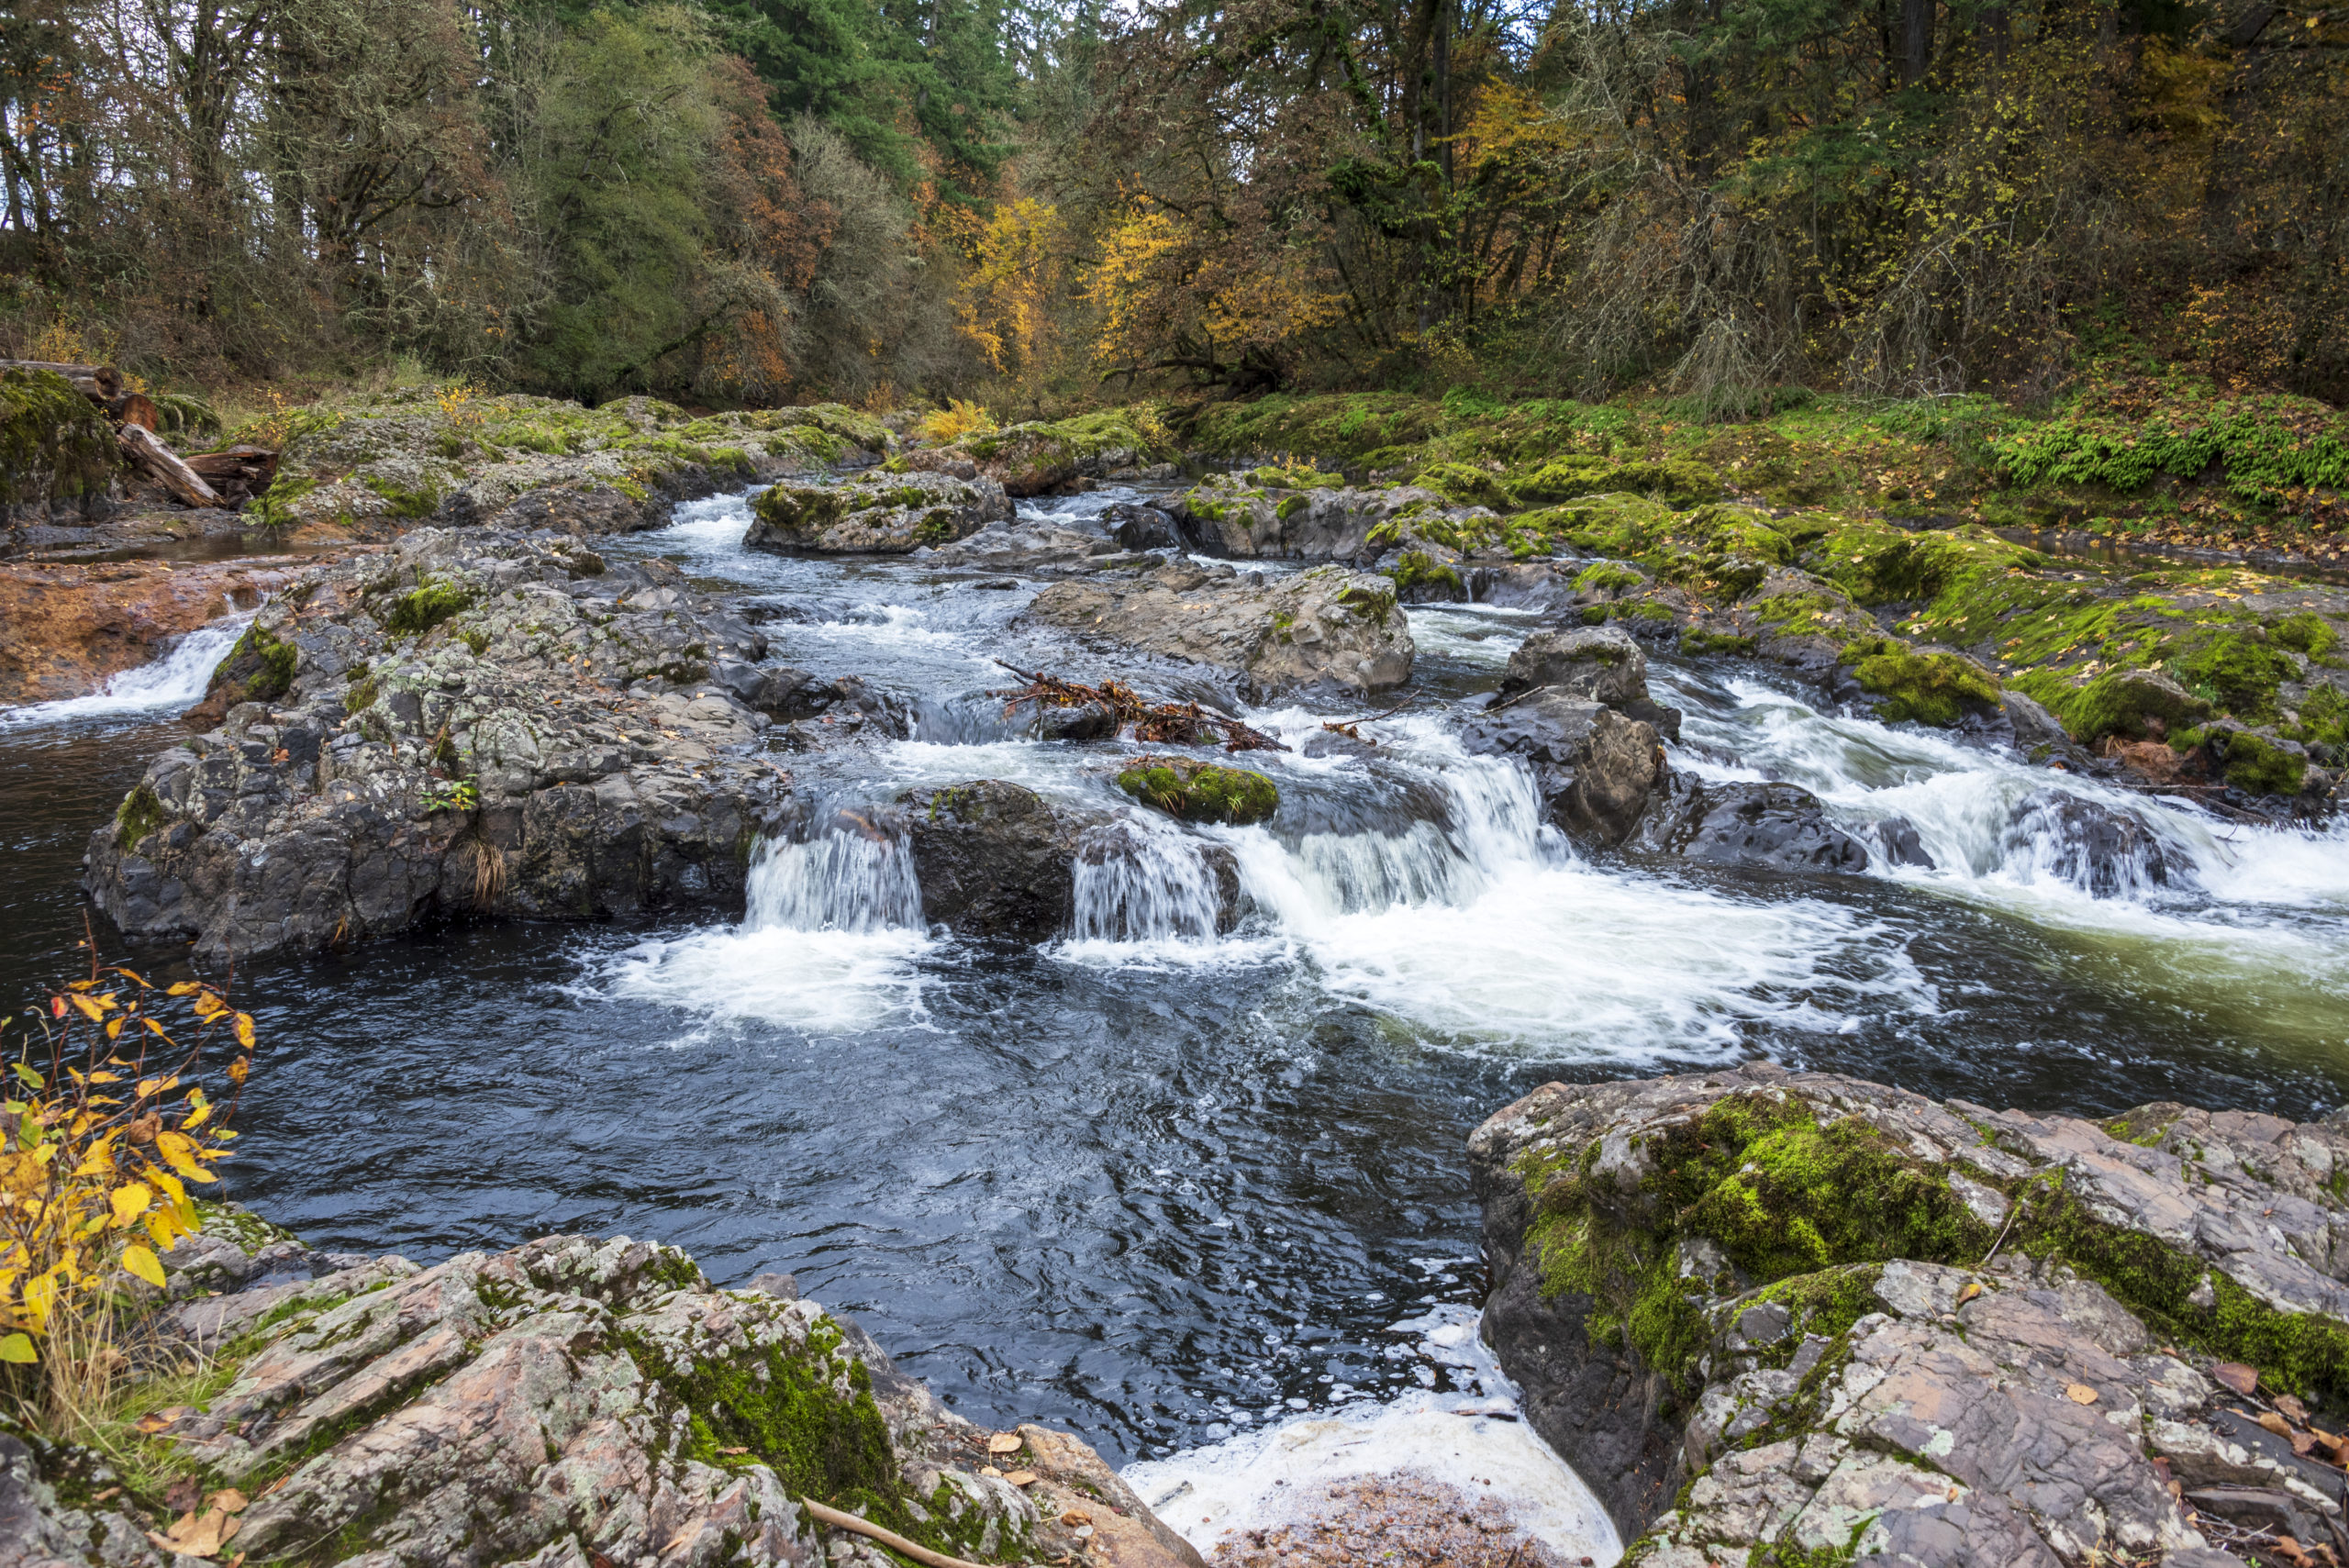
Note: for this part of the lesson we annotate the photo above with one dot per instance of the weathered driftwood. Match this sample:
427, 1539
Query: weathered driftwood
143, 447
239, 473
99, 383
1159, 724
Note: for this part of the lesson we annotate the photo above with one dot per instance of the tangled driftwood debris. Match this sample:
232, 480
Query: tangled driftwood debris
1154, 724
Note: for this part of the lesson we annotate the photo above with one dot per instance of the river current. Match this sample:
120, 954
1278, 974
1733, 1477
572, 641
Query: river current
1164, 1187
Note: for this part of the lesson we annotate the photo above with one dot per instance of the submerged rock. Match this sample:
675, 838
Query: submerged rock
1771, 1315
2100, 851
572, 1402
873, 514
1327, 624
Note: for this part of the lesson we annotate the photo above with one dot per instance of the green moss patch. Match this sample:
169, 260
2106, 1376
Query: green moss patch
425, 607
260, 668
141, 813
54, 444
1929, 688
1198, 791
1416, 570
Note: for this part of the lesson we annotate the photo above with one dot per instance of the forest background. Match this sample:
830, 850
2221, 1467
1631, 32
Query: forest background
1044, 205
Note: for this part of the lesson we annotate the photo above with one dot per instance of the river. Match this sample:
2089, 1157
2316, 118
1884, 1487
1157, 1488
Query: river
1156, 1186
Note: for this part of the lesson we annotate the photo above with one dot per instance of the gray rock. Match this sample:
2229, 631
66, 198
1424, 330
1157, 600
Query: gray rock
1946, 1410
1327, 624
1589, 664
1760, 827
1137, 527
873, 513
2101, 851
994, 859
1231, 514
1595, 768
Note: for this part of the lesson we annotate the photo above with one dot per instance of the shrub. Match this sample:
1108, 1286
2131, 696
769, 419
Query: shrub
108, 1124
956, 420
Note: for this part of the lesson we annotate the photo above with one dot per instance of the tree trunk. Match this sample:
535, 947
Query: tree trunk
139, 445
1917, 41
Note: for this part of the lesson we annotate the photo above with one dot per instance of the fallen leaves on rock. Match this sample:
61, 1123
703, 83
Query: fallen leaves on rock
1154, 724
1021, 1478
2079, 1394
197, 1535
2237, 1376
1004, 1442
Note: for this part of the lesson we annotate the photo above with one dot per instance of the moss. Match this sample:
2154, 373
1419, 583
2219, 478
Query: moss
1293, 476
2120, 702
476, 640
401, 502
426, 605
2259, 765
260, 668
1465, 486
800, 509
1929, 688
1695, 642
141, 813
2306, 632
1608, 576
274, 509
2236, 672
1415, 569
54, 443
1201, 792
1780, 1194
362, 691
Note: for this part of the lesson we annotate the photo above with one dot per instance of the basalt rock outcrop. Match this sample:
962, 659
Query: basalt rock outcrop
468, 722
1763, 825
1782, 1318
873, 514
1326, 625
570, 1403
1574, 707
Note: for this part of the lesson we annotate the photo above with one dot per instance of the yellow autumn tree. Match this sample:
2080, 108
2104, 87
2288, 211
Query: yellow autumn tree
1015, 277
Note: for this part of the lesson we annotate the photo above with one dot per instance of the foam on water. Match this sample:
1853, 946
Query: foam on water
828, 944
174, 681
1472, 1436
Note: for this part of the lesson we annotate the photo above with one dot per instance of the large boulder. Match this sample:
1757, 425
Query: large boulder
1773, 1315
2098, 848
471, 723
994, 859
1594, 766
1588, 663
1758, 826
1276, 513
568, 1403
1326, 626
873, 514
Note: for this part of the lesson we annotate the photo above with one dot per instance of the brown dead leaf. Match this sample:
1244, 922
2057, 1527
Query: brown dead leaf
2292, 1408
2236, 1375
1967, 1292
730, 1451
229, 1501
154, 1421
1004, 1442
183, 1494
1074, 1517
1022, 1478
2276, 1423
2079, 1394
200, 1535
990, 1469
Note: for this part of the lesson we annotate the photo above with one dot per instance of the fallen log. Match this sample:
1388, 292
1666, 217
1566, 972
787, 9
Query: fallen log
99, 383
141, 446
135, 408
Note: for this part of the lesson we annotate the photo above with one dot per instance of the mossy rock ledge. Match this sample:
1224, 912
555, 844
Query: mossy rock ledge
573, 1401
1799, 1318
873, 513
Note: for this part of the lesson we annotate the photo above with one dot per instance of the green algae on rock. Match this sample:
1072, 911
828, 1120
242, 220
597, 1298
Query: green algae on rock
55, 446
1200, 790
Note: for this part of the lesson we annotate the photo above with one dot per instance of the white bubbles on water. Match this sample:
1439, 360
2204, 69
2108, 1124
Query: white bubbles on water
171, 683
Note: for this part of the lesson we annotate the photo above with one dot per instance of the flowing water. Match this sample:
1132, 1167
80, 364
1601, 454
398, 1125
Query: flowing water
1166, 1187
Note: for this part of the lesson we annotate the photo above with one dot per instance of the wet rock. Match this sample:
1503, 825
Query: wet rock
873, 514
1591, 663
1138, 526
1022, 545
2098, 848
569, 1402
1595, 767
1252, 514
1327, 624
466, 723
1755, 826
1077, 722
1197, 790
65, 628
1895, 842
593, 510
994, 859
1804, 1360
1539, 586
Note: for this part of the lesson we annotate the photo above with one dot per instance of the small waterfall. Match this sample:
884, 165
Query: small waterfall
1140, 880
2103, 851
174, 681
851, 879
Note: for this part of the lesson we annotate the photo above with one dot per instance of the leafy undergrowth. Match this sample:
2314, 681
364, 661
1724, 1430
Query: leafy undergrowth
2166, 461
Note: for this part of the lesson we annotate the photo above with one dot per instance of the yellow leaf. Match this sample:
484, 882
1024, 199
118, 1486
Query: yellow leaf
245, 1030
114, 1027
157, 1085
17, 1348
183, 988
139, 1261
199, 1111
180, 1152
131, 1201
105, 1077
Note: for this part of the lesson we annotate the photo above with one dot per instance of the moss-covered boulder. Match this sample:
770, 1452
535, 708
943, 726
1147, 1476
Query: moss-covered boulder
1928, 687
572, 1401
1200, 791
1679, 482
56, 447
1913, 1329
1038, 458
873, 514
